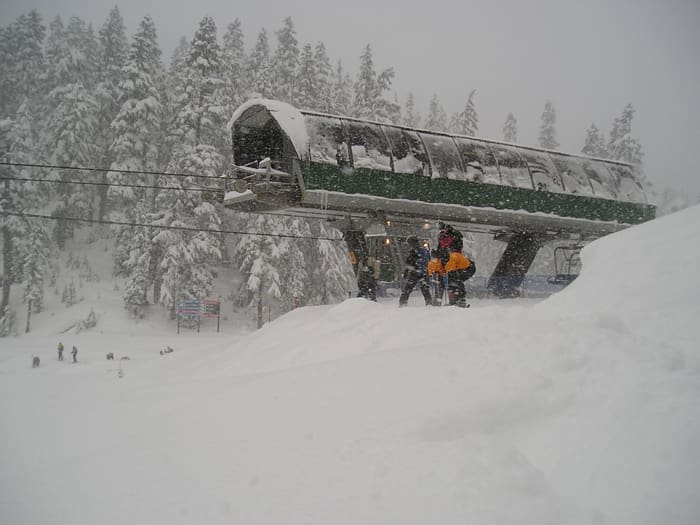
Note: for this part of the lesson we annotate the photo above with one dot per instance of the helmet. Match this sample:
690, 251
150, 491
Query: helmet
412, 240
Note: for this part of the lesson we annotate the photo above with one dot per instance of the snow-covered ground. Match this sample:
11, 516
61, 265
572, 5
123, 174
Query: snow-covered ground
582, 408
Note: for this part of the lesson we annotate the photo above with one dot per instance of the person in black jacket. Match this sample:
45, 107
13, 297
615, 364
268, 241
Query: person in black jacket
416, 272
366, 281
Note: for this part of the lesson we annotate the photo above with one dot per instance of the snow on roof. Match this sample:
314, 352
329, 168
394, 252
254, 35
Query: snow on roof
290, 120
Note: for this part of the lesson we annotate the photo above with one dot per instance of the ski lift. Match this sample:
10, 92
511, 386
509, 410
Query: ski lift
567, 264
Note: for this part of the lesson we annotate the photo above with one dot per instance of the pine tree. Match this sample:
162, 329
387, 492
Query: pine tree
369, 102
548, 134
510, 129
342, 91
137, 129
22, 62
187, 255
307, 94
234, 63
467, 122
18, 196
595, 143
285, 62
622, 146
257, 261
35, 253
323, 76
113, 54
436, 119
70, 130
412, 118
259, 68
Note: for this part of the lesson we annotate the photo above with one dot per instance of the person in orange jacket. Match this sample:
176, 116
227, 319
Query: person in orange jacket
458, 269
436, 274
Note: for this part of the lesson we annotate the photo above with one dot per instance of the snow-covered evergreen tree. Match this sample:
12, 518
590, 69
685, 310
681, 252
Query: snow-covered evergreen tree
113, 51
188, 248
622, 146
412, 118
35, 254
259, 67
257, 258
137, 129
285, 62
22, 62
323, 78
342, 91
510, 129
330, 268
595, 143
467, 122
548, 133
70, 134
370, 87
306, 86
18, 197
234, 63
137, 125
436, 119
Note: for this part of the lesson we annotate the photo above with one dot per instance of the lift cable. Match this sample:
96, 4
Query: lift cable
115, 185
105, 170
164, 227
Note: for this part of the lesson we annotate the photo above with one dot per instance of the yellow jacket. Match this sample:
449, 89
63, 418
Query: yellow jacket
457, 262
435, 266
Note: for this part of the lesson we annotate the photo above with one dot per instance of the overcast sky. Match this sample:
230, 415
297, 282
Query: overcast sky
589, 58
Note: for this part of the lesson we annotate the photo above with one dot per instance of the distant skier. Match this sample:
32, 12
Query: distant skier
416, 272
74, 353
60, 351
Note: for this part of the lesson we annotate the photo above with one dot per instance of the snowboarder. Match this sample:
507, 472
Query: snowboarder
60, 351
74, 353
416, 272
35, 362
366, 282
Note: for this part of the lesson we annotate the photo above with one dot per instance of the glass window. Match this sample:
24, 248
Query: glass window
479, 162
544, 173
572, 173
604, 185
513, 168
369, 146
327, 142
629, 188
408, 151
444, 157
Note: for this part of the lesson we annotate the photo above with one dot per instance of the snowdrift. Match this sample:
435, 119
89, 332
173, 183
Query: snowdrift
582, 408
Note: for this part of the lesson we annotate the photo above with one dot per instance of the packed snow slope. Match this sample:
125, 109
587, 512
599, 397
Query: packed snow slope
582, 408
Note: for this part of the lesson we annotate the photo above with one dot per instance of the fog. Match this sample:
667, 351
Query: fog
590, 59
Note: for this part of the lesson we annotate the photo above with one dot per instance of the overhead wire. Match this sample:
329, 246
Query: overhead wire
164, 227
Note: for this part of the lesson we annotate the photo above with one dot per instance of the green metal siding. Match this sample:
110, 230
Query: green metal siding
445, 191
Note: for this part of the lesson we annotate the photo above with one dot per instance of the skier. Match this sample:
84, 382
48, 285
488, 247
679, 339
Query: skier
74, 353
366, 282
416, 272
436, 275
458, 269
60, 351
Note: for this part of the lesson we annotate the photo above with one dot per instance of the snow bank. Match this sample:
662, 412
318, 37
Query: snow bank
578, 409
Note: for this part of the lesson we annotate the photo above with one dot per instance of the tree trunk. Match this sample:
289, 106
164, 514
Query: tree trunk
7, 267
29, 314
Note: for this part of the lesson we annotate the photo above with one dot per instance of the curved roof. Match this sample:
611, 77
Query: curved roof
289, 119
484, 160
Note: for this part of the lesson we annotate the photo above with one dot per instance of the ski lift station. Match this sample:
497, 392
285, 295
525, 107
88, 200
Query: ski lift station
381, 182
